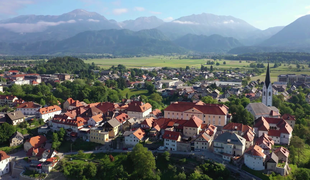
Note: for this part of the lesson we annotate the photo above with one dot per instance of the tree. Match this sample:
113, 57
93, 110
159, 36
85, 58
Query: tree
156, 97
209, 100
187, 68
143, 163
91, 170
6, 131
180, 176
150, 87
299, 146
302, 173
224, 62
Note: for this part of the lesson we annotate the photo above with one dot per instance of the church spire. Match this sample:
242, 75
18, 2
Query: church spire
267, 79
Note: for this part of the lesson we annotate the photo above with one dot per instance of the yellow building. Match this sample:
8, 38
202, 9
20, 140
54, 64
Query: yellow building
98, 135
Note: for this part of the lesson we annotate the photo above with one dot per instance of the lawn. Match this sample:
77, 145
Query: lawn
9, 150
255, 173
79, 144
175, 62
134, 92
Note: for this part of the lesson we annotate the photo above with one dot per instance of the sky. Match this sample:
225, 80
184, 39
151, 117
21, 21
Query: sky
261, 14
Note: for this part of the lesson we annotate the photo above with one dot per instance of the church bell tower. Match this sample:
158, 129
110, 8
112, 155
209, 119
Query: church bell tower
267, 89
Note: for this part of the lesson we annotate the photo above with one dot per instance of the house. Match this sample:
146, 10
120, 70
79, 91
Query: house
70, 104
147, 123
98, 135
192, 127
35, 153
157, 113
122, 118
4, 163
171, 140
282, 153
35, 142
229, 144
290, 119
95, 120
205, 138
65, 121
215, 114
49, 112
29, 108
244, 131
271, 161
15, 117
276, 128
260, 109
138, 109
16, 139
265, 142
7, 100
112, 126
254, 158
133, 137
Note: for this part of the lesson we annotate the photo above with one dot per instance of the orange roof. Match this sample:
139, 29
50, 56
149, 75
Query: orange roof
266, 140
35, 82
3, 155
29, 105
97, 118
49, 109
148, 121
171, 135
139, 133
255, 151
193, 122
138, 106
37, 141
122, 117
249, 135
216, 109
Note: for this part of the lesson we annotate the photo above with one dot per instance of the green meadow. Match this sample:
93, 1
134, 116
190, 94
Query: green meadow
175, 62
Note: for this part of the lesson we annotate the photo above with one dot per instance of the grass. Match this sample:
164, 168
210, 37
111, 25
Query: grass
79, 144
174, 62
9, 150
259, 174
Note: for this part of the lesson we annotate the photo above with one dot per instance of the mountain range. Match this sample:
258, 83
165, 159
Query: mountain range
81, 31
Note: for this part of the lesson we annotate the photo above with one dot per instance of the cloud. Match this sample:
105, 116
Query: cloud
139, 9
229, 22
93, 20
307, 13
168, 19
307, 7
35, 27
153, 12
10, 7
184, 22
120, 11
116, 3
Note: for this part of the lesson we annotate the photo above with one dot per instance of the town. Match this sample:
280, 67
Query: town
218, 116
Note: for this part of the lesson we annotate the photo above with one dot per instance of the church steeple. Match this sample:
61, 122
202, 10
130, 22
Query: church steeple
267, 79
267, 89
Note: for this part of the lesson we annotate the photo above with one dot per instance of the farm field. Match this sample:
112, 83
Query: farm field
174, 62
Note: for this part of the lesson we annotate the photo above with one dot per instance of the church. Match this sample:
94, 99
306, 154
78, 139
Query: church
265, 108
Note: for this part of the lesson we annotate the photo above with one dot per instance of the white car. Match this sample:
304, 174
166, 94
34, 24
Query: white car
161, 148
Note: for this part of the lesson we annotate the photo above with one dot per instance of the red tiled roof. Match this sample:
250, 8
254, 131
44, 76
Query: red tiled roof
262, 124
237, 127
122, 117
288, 117
38, 151
255, 151
63, 119
29, 105
107, 106
193, 122
148, 122
215, 109
49, 109
3, 155
249, 135
137, 106
163, 123
8, 97
266, 140
37, 141
283, 150
171, 135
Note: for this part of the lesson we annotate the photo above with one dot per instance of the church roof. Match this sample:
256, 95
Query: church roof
267, 80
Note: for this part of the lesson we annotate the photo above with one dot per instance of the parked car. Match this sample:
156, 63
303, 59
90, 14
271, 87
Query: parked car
161, 148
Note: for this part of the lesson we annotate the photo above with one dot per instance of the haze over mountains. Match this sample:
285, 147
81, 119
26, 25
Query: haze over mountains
81, 31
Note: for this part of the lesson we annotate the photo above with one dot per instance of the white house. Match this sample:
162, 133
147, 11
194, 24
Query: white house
95, 120
276, 128
205, 138
49, 112
138, 109
171, 140
254, 158
29, 108
133, 137
229, 144
4, 163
